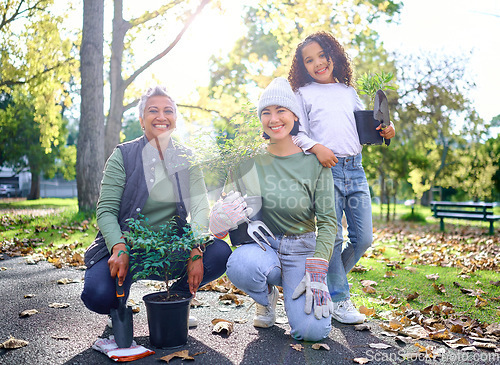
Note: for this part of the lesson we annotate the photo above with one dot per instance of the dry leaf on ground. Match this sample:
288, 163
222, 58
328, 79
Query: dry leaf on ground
432, 276
58, 305
361, 327
366, 311
222, 326
439, 288
297, 347
361, 360
320, 346
411, 297
368, 283
13, 343
184, 355
28, 313
380, 346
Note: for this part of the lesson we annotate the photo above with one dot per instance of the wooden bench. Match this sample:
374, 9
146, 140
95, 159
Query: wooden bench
470, 211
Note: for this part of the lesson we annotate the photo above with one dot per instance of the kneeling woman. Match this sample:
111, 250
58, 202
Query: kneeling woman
150, 175
297, 194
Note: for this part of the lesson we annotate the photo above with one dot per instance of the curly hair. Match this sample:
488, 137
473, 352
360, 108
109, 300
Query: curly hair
342, 71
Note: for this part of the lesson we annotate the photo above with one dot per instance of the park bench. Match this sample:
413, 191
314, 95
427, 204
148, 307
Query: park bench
470, 211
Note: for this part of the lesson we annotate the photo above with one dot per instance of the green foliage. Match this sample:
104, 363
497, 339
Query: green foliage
413, 217
369, 83
217, 155
156, 251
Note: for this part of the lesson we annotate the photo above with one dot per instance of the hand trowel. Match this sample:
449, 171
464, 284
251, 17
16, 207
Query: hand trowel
121, 318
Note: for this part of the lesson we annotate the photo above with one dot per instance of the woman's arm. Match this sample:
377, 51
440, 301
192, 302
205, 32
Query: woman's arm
326, 217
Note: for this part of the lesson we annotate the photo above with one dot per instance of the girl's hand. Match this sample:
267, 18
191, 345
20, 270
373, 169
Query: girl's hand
195, 270
118, 263
387, 133
324, 155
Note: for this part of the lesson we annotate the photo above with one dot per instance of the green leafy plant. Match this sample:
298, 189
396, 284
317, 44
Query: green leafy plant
369, 83
157, 251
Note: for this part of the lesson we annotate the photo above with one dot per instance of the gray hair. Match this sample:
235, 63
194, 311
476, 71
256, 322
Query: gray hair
158, 90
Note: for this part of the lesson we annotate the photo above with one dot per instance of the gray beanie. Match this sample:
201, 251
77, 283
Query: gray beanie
279, 92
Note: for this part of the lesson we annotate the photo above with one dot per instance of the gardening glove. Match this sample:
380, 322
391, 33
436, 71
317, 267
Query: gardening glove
227, 213
315, 288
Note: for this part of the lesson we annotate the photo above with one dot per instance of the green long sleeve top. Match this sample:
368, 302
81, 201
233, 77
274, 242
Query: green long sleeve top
297, 195
160, 205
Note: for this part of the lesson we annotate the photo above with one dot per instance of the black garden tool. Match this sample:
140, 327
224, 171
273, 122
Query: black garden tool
381, 111
121, 318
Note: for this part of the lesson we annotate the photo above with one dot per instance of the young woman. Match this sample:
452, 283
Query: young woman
297, 197
321, 77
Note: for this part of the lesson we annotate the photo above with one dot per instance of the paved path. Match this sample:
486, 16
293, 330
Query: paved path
65, 336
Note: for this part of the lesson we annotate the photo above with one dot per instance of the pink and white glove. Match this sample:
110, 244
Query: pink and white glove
228, 213
315, 288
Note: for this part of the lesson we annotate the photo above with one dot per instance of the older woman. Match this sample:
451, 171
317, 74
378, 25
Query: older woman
297, 197
150, 175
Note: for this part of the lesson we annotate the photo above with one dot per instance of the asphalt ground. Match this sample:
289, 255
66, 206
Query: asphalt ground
66, 335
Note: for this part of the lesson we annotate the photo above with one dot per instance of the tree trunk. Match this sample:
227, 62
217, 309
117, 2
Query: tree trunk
90, 150
35, 185
117, 88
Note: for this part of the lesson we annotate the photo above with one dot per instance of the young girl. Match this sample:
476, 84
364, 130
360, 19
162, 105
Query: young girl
297, 197
321, 76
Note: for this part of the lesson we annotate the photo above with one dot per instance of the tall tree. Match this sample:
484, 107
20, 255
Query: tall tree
119, 81
89, 163
20, 147
37, 60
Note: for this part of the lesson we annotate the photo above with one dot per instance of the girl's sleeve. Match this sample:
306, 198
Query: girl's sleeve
302, 139
108, 206
326, 218
199, 203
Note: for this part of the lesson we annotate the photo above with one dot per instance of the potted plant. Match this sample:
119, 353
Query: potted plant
367, 121
161, 252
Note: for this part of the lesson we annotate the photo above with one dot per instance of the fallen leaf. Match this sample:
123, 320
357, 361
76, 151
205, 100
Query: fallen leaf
432, 276
480, 302
484, 345
469, 349
361, 327
297, 347
391, 299
493, 329
28, 313
231, 298
439, 288
65, 281
411, 297
415, 331
441, 335
222, 326
184, 355
389, 274
359, 268
457, 343
13, 343
380, 346
411, 269
368, 283
58, 305
368, 290
56, 337
361, 360
403, 339
495, 283
366, 311
320, 346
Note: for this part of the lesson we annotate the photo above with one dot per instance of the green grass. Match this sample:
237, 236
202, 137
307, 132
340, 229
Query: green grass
46, 223
406, 282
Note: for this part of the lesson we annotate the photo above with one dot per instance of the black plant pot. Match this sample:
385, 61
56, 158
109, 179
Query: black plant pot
366, 125
239, 235
167, 320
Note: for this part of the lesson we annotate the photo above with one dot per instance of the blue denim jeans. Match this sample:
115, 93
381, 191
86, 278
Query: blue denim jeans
99, 293
352, 198
252, 269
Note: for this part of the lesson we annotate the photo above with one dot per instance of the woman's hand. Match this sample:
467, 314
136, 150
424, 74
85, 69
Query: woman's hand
388, 132
118, 263
195, 270
324, 155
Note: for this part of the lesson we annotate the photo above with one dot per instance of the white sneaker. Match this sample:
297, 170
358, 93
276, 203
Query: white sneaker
265, 316
192, 322
345, 312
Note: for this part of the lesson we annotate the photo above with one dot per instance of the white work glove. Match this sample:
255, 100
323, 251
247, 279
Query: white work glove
228, 213
314, 286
